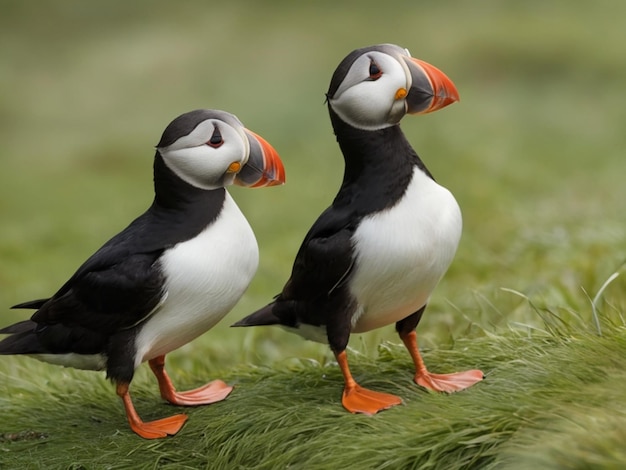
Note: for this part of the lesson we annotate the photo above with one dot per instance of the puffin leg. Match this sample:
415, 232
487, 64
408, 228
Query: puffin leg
357, 399
210, 393
153, 429
437, 382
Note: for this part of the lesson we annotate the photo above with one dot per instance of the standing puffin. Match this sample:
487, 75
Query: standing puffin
168, 277
375, 255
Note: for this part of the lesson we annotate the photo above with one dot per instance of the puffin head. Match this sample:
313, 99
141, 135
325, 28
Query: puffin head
210, 149
374, 87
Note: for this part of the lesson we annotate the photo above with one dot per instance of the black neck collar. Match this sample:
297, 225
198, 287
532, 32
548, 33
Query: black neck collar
379, 164
180, 202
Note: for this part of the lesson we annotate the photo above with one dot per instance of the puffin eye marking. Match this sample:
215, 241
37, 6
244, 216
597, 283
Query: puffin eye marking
375, 71
216, 139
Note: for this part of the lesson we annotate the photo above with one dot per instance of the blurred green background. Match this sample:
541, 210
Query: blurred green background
534, 151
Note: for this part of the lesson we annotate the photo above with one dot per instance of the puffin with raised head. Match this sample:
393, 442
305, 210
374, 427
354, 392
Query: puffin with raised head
374, 257
169, 276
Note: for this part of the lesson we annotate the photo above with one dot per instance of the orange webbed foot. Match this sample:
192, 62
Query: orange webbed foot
152, 429
437, 382
159, 428
448, 382
212, 392
357, 399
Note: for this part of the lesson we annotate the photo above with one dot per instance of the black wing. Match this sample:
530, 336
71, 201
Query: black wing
109, 297
116, 288
324, 261
316, 292
93, 305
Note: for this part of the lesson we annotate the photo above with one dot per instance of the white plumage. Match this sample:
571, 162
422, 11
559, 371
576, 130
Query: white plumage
218, 265
403, 252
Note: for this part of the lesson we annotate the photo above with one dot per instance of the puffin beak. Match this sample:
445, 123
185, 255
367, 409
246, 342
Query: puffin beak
264, 167
430, 88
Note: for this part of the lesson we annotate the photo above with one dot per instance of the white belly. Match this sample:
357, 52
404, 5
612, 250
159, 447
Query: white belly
206, 276
402, 253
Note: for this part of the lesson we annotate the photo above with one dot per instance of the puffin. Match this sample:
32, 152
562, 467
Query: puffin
169, 276
374, 257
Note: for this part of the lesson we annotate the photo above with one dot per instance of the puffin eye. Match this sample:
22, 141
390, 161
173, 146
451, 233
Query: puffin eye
375, 72
216, 139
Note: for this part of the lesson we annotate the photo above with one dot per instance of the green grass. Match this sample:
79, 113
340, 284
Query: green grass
548, 401
534, 153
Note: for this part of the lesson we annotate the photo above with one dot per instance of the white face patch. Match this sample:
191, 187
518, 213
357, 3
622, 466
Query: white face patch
371, 104
205, 166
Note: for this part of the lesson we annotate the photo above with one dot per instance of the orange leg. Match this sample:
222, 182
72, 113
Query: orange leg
153, 429
357, 399
438, 382
205, 395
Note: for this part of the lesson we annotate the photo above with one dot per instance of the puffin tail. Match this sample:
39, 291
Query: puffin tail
34, 304
262, 317
23, 339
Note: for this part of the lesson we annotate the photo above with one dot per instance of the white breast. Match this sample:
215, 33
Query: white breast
206, 276
402, 253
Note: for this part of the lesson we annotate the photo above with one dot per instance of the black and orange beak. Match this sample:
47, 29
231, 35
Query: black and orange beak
430, 89
263, 168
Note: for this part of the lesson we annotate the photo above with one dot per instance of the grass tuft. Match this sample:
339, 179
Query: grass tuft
594, 302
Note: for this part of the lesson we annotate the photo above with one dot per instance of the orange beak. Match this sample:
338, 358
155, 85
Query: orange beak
430, 90
264, 166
